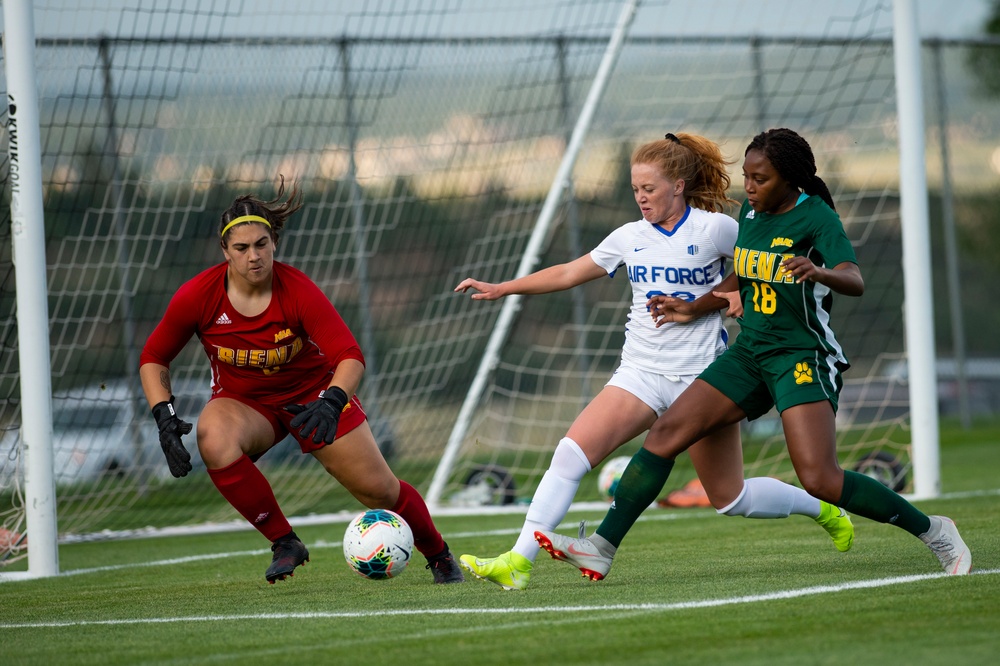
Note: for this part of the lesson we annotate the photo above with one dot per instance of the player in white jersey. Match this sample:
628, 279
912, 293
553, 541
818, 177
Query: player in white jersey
679, 248
685, 261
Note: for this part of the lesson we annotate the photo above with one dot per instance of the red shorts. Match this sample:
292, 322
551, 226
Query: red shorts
352, 416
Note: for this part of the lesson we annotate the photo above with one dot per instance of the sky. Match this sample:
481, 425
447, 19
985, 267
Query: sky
935, 18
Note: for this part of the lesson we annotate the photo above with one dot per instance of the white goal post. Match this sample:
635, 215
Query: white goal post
28, 232
916, 253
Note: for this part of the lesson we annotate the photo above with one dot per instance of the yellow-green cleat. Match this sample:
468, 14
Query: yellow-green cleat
510, 570
838, 525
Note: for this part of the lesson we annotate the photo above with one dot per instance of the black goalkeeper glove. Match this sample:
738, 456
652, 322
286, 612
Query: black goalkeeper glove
320, 417
171, 428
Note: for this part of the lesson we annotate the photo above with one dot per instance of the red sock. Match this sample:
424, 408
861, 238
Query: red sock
413, 509
243, 486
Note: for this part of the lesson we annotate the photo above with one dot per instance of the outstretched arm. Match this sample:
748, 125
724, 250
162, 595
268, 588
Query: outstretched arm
545, 281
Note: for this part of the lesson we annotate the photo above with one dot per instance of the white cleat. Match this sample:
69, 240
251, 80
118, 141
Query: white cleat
945, 542
581, 553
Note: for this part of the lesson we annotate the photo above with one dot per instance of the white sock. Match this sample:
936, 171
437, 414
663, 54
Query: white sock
553, 496
764, 497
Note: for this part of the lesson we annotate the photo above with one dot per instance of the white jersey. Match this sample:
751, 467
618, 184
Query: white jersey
686, 262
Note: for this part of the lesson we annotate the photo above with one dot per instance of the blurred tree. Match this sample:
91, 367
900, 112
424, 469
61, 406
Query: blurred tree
984, 61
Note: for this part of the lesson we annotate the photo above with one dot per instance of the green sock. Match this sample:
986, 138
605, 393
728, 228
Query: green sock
867, 497
639, 486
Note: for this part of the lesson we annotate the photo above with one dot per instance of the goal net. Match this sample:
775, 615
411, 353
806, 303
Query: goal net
425, 136
836, 87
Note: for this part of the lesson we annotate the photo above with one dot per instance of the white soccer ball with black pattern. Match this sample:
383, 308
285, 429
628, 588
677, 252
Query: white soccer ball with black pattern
378, 544
610, 474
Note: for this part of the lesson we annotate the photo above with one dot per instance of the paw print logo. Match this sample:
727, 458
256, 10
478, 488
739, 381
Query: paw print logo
803, 373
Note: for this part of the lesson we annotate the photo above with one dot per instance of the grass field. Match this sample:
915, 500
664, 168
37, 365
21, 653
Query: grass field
688, 587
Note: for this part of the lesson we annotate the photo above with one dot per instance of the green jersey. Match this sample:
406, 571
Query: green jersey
778, 314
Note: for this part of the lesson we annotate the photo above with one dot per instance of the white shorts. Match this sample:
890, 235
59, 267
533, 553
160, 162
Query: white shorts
657, 391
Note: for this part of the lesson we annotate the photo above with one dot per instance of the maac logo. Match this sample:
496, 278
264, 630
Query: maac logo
281, 335
750, 214
781, 242
803, 373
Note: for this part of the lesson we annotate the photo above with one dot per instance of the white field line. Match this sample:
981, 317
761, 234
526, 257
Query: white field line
644, 608
240, 525
345, 517
326, 544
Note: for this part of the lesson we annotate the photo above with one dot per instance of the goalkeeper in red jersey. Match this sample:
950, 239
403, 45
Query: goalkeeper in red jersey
283, 362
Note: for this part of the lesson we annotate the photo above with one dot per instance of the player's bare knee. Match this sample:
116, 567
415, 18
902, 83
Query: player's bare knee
670, 435
384, 496
823, 486
721, 505
216, 453
217, 447
735, 506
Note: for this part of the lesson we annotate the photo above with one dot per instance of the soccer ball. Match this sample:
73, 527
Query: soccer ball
607, 480
378, 544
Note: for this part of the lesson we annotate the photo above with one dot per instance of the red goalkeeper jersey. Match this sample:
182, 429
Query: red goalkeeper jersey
269, 357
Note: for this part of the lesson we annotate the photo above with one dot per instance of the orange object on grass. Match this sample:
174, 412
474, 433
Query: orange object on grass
691, 495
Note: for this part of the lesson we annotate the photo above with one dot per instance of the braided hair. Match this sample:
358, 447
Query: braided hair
792, 158
275, 211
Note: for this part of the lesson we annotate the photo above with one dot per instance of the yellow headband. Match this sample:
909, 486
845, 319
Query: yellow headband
244, 218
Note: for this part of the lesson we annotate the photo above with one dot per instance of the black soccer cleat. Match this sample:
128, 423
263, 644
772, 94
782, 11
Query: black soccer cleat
445, 568
289, 552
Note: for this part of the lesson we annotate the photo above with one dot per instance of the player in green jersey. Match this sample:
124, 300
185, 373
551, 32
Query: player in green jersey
791, 256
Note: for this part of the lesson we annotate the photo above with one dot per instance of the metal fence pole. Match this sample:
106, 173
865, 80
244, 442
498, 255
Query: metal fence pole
360, 239
951, 245
129, 342
573, 220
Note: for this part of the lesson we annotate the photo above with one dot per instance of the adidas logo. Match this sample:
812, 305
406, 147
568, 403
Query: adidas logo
224, 319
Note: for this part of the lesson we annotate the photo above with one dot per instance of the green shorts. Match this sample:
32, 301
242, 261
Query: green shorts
782, 379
